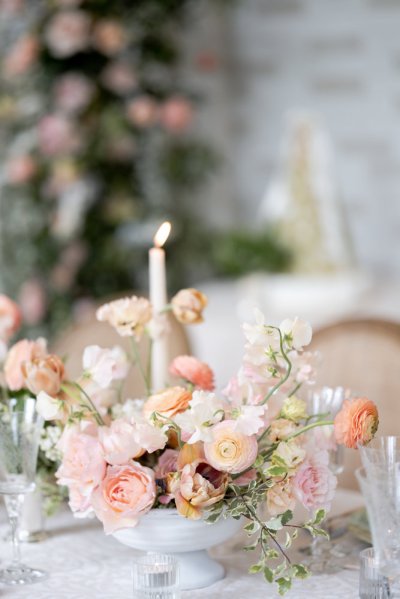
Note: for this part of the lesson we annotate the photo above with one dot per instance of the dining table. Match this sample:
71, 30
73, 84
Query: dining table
84, 563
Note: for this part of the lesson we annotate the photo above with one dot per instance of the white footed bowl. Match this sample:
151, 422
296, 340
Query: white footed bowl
165, 531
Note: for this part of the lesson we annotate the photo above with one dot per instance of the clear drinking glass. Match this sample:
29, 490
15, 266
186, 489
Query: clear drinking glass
382, 499
19, 444
373, 585
156, 576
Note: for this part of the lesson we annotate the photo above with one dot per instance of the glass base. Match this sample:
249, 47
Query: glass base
21, 574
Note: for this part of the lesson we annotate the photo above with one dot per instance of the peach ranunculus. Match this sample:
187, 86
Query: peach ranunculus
128, 315
357, 422
195, 372
169, 402
280, 498
10, 317
188, 306
44, 374
126, 493
314, 483
118, 442
197, 485
22, 351
230, 450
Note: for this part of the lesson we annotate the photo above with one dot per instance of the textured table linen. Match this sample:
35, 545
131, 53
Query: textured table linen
85, 564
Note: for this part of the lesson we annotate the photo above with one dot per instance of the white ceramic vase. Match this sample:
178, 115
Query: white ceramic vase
165, 531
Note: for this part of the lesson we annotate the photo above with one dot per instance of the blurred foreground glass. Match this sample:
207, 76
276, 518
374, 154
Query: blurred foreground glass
19, 443
156, 576
373, 585
382, 498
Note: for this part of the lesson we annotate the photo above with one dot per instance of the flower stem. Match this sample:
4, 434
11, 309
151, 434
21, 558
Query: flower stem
138, 362
67, 389
309, 427
288, 371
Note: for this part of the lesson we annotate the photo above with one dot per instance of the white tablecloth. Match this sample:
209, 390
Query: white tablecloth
85, 564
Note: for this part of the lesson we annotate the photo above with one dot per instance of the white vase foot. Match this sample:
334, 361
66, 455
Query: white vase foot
197, 570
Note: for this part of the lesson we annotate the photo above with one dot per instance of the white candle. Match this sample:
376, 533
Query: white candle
158, 298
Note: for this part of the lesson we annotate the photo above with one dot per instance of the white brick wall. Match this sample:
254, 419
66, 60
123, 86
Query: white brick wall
338, 58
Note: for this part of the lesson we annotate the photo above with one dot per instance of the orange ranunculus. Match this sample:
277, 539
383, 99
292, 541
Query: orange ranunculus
192, 370
188, 305
44, 374
169, 402
357, 422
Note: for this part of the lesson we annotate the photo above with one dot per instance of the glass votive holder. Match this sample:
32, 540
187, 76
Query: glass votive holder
373, 585
156, 576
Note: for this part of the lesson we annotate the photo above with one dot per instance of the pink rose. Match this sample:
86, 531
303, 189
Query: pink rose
176, 114
83, 466
33, 301
142, 111
314, 483
167, 462
118, 442
126, 493
67, 33
119, 78
21, 57
73, 92
230, 450
21, 352
20, 170
195, 372
10, 317
57, 135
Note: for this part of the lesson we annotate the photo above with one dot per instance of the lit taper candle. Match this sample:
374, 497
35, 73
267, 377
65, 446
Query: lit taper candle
158, 298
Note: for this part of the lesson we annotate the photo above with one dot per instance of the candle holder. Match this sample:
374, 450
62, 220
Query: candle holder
156, 576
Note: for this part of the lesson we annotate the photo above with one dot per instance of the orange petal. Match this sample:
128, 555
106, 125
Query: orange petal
185, 509
190, 453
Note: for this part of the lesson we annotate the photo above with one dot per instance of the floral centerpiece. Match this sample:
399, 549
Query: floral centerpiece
209, 455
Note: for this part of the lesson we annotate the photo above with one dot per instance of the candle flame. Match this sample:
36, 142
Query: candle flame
162, 234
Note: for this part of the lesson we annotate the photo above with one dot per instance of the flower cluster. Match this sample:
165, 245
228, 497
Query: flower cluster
186, 446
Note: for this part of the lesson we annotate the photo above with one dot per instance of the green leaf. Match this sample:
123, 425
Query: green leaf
319, 516
251, 547
268, 574
286, 517
255, 569
274, 524
300, 571
278, 461
276, 471
284, 585
259, 462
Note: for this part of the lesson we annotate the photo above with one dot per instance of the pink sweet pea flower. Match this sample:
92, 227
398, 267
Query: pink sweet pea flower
126, 493
195, 372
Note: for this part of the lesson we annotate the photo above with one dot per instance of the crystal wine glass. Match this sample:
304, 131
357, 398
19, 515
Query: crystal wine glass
19, 444
327, 401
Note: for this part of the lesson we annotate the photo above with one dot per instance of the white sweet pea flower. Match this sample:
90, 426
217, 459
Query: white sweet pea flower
149, 436
48, 407
104, 365
299, 330
205, 409
249, 419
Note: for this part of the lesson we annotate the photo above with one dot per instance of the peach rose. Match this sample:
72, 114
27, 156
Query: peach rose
195, 372
357, 422
23, 351
44, 374
10, 318
280, 498
109, 37
126, 493
128, 315
118, 442
169, 402
188, 305
230, 451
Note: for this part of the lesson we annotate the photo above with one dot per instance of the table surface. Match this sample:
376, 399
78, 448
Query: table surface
83, 563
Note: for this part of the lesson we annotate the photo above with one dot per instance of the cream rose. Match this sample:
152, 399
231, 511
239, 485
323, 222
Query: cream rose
230, 451
128, 315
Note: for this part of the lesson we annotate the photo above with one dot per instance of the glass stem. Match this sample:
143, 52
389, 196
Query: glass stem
14, 508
